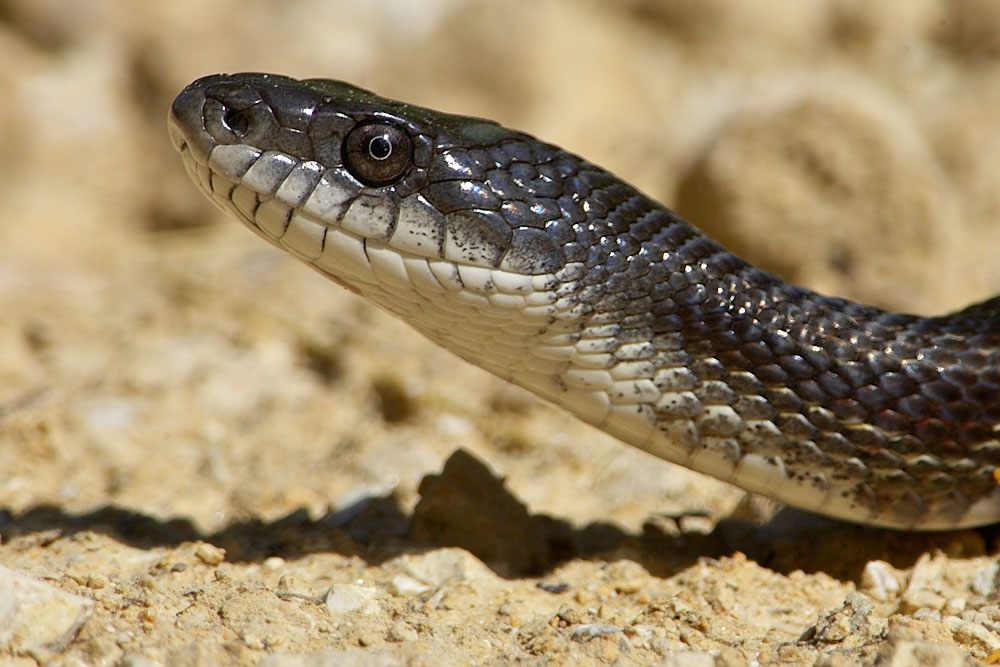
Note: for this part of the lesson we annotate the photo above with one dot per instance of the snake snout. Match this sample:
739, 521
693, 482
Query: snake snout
186, 122
251, 110
215, 111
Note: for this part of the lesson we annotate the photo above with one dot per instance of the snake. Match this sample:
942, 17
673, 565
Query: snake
558, 276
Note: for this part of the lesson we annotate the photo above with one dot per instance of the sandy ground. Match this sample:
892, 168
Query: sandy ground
226, 459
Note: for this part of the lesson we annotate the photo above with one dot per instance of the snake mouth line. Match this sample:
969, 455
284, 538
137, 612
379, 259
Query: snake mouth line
348, 255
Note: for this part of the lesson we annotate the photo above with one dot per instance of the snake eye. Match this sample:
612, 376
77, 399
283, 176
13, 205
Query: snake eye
378, 153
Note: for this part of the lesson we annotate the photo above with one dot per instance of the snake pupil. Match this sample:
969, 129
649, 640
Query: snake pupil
379, 148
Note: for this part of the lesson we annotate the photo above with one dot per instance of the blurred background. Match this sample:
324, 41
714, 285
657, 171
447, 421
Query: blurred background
159, 358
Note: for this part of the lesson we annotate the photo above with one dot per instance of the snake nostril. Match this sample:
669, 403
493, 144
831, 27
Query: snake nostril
237, 121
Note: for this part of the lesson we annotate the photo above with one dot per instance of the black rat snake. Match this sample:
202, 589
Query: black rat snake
556, 275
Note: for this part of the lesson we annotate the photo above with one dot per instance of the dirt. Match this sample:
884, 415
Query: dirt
234, 461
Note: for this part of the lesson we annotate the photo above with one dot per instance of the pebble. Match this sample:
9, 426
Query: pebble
342, 598
35, 616
138, 661
588, 631
878, 580
971, 634
926, 572
209, 554
921, 590
691, 659
921, 598
345, 658
401, 632
441, 565
955, 606
405, 586
909, 653
985, 581
273, 563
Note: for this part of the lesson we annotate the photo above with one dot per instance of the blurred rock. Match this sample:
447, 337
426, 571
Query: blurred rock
795, 189
38, 616
924, 654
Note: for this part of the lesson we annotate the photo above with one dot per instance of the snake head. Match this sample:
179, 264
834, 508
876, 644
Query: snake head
296, 160
464, 228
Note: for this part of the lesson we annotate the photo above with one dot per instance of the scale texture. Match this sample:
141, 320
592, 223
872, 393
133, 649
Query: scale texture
556, 275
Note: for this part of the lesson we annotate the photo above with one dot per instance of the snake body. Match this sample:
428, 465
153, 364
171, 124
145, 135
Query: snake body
556, 275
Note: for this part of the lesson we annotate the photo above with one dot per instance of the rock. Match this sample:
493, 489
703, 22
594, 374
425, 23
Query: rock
878, 580
38, 616
347, 658
210, 554
849, 626
434, 568
980, 638
921, 591
402, 585
923, 654
342, 598
587, 631
985, 580
826, 191
690, 659
400, 632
